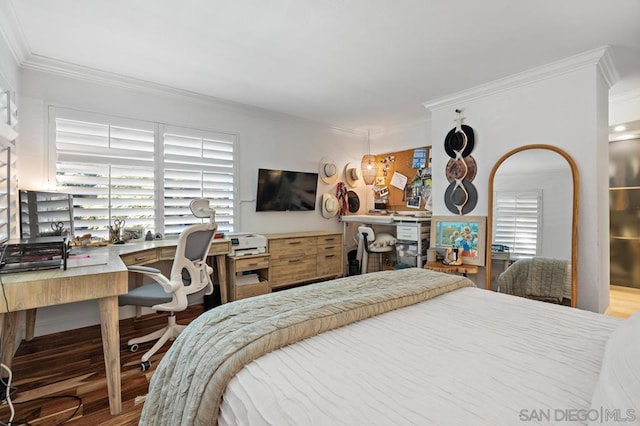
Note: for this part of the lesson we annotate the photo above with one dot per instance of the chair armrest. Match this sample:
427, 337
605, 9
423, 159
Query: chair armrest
143, 269
156, 275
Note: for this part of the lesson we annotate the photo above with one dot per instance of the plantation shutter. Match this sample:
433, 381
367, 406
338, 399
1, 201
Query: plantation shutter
8, 134
517, 222
108, 167
4, 193
197, 164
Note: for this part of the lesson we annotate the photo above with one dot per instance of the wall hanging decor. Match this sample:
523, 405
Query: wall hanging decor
328, 171
461, 195
352, 175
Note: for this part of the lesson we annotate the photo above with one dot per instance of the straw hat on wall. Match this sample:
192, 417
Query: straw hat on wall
328, 171
330, 205
352, 174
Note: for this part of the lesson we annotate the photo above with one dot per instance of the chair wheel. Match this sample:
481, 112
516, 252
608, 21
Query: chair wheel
133, 347
145, 365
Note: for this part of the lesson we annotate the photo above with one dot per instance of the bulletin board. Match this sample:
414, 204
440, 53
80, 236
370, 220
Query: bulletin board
393, 168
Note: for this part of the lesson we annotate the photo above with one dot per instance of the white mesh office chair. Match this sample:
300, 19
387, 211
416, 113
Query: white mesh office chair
190, 279
370, 243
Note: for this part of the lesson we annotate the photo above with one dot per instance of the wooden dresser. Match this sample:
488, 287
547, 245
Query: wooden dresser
304, 256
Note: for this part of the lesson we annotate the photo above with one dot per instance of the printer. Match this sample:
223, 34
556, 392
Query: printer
243, 244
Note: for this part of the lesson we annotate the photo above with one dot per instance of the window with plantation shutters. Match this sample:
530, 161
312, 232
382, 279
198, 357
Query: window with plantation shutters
145, 173
109, 168
197, 164
518, 221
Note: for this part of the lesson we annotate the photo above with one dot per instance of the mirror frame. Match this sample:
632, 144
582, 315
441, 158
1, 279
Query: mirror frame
574, 226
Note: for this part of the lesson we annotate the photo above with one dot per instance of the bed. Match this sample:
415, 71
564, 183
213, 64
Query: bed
397, 347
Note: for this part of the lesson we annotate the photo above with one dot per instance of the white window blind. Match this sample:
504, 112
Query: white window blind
517, 222
197, 164
109, 169
144, 172
4, 193
8, 115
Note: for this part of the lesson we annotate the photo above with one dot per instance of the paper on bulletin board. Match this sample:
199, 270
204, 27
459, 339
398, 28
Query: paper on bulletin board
398, 180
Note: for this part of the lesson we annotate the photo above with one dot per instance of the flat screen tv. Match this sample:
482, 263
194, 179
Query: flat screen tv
282, 190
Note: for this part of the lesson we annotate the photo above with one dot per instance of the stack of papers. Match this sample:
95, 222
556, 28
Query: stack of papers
247, 279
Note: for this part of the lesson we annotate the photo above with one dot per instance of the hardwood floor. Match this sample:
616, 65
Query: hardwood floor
623, 301
61, 376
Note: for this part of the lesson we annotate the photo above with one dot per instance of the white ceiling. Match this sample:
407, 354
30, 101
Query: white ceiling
355, 64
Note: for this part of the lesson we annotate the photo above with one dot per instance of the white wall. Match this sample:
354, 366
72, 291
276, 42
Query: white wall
567, 111
9, 73
571, 111
265, 139
625, 108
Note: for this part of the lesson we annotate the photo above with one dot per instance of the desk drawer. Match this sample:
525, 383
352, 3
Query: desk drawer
334, 239
219, 247
140, 257
250, 290
292, 270
411, 233
287, 247
251, 264
167, 253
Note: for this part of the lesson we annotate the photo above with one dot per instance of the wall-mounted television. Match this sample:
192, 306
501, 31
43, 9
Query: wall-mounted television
283, 190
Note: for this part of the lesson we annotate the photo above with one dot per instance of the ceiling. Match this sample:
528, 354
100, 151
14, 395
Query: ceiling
353, 64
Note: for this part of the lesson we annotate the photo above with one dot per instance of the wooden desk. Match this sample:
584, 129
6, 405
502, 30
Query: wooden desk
102, 277
452, 269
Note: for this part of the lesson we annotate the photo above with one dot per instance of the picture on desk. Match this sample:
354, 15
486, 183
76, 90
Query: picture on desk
467, 233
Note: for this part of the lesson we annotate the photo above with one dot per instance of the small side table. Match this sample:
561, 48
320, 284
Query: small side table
452, 269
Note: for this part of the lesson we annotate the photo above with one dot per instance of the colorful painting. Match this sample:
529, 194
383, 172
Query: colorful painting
467, 233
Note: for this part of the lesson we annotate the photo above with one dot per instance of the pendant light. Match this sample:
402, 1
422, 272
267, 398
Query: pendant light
368, 165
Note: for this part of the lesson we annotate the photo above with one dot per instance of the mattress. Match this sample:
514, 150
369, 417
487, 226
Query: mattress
466, 357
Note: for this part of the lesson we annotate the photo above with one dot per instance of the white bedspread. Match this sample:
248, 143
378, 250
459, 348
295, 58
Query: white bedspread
468, 357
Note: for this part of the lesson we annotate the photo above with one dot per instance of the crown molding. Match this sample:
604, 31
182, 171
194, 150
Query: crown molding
600, 57
607, 67
12, 33
630, 96
78, 72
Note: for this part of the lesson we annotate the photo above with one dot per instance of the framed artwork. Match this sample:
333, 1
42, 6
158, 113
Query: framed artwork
468, 233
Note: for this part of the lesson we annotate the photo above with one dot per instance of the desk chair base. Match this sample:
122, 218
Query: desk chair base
170, 332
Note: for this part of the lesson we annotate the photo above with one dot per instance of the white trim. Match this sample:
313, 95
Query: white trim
12, 33
599, 56
66, 69
607, 68
630, 96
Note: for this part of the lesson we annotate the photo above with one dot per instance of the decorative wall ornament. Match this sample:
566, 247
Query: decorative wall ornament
461, 195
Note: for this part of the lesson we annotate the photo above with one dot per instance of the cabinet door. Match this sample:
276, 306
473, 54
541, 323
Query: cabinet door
287, 247
251, 290
292, 270
329, 263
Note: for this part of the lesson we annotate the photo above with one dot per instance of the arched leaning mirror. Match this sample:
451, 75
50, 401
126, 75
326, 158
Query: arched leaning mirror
533, 212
